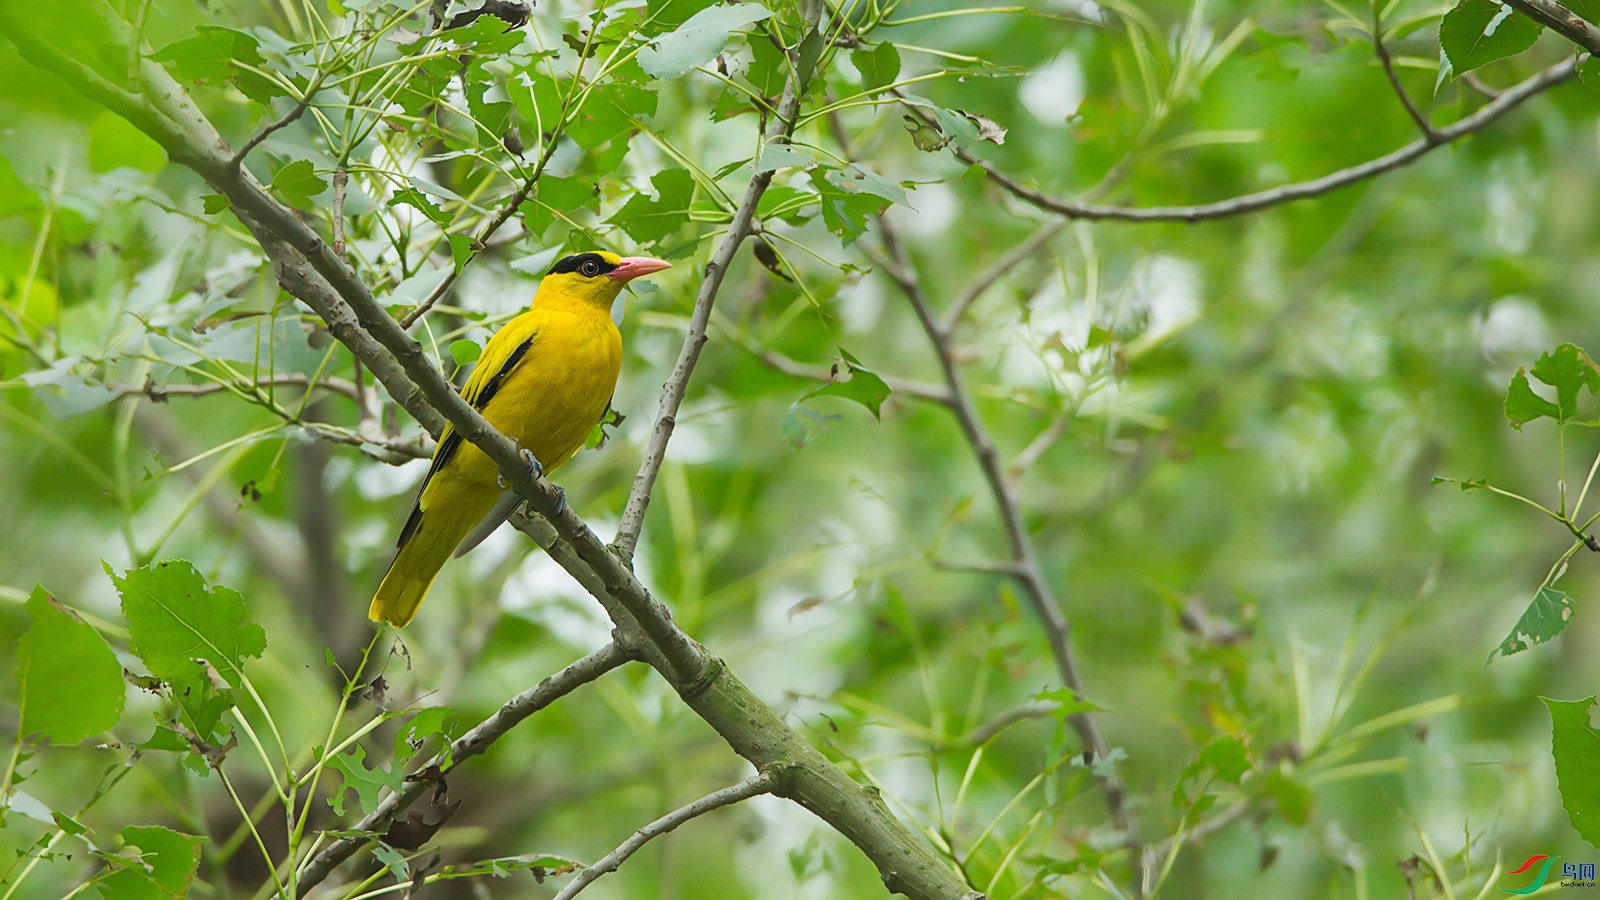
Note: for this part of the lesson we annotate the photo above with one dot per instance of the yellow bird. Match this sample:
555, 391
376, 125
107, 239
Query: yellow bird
544, 380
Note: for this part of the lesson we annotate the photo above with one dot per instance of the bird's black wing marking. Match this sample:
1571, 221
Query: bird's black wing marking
451, 442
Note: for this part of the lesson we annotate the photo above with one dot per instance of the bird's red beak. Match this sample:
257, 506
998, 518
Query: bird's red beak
632, 267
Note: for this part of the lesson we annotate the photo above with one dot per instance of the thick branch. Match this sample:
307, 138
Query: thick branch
677, 384
1509, 99
905, 862
470, 744
1561, 20
755, 785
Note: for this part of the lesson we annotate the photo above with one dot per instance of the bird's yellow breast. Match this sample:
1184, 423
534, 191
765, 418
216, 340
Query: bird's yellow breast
551, 396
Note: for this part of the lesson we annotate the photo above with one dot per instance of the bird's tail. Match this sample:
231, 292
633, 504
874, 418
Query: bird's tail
425, 544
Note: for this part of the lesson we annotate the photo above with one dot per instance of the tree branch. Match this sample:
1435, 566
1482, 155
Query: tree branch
1429, 134
677, 384
997, 270
468, 745
1028, 572
772, 359
160, 393
288, 119
755, 785
1509, 99
1561, 20
905, 862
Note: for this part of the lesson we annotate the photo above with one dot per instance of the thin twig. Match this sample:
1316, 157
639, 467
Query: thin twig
1470, 79
755, 785
1429, 133
997, 270
1029, 575
1036, 448
162, 392
677, 384
289, 119
470, 744
988, 731
1255, 202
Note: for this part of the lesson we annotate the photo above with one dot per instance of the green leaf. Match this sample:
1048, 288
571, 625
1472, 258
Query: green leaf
425, 724
364, 781
1523, 405
460, 249
553, 197
1589, 73
415, 198
648, 221
1588, 10
298, 181
1069, 703
800, 426
1544, 618
465, 351
857, 384
69, 679
165, 865
1576, 748
845, 207
927, 137
879, 66
174, 618
1293, 798
769, 69
697, 41
1226, 757
215, 203
1478, 32
776, 156
1567, 369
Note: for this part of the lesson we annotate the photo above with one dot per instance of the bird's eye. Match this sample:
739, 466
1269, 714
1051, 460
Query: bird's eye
590, 268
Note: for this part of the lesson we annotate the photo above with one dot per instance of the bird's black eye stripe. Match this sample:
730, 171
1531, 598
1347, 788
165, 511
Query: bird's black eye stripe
586, 264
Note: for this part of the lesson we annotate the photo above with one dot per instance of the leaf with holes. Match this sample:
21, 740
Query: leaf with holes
1478, 32
856, 384
156, 864
1546, 617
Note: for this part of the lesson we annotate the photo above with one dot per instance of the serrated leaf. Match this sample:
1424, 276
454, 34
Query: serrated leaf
1478, 32
879, 66
428, 722
460, 249
68, 677
555, 197
1576, 748
163, 869
697, 41
1546, 617
298, 181
859, 385
647, 220
418, 200
844, 212
1226, 758
1569, 370
174, 618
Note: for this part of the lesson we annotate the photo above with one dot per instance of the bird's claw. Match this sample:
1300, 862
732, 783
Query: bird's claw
535, 470
561, 501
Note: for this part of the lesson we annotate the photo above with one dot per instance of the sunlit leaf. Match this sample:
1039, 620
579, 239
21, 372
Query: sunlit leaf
162, 869
647, 220
698, 40
1478, 32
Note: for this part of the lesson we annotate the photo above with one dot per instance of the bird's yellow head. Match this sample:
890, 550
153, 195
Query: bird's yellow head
595, 277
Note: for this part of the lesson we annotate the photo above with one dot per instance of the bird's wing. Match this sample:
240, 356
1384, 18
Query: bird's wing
503, 508
509, 346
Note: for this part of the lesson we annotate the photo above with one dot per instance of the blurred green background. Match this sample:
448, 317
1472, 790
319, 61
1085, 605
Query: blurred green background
1250, 413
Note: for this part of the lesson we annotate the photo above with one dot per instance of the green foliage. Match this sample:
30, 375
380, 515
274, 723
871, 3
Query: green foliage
1546, 617
156, 863
364, 781
698, 40
1478, 32
855, 383
879, 65
1576, 747
649, 221
69, 680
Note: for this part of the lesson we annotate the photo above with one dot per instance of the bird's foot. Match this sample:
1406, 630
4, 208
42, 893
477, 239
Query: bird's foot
535, 470
561, 501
